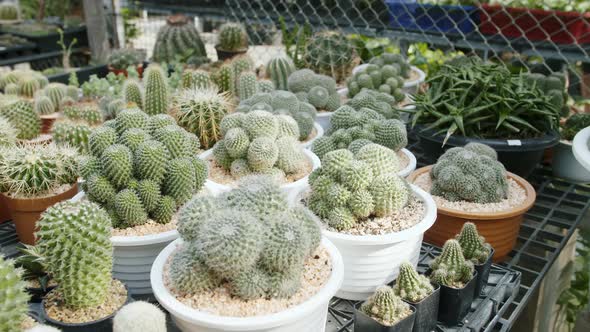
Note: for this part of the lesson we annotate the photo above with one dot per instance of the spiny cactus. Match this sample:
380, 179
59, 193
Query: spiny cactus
469, 174
56, 92
329, 53
156, 91
410, 285
385, 307
279, 68
8, 134
72, 134
246, 85
81, 263
133, 93
224, 240
44, 105
11, 89
474, 246
303, 82
385, 77
232, 37
13, 297
196, 79
177, 37
225, 78
450, 268
22, 116
27, 86
139, 316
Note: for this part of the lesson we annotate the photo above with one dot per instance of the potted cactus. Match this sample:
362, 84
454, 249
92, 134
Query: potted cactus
13, 297
121, 59
330, 53
259, 142
34, 274
22, 116
372, 215
232, 40
34, 177
564, 163
479, 252
457, 278
141, 169
469, 184
384, 311
249, 279
179, 37
380, 70
278, 69
87, 296
420, 293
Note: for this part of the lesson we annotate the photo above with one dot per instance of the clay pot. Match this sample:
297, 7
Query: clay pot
4, 214
500, 229
139, 69
25, 212
47, 122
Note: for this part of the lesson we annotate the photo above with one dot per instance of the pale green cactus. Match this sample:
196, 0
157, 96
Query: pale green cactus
385, 307
410, 285
450, 268
474, 246
156, 91
21, 114
13, 297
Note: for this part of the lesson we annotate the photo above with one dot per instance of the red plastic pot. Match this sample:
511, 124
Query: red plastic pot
536, 24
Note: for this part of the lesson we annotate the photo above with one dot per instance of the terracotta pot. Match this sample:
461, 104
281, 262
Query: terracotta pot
4, 214
139, 69
47, 122
26, 212
499, 228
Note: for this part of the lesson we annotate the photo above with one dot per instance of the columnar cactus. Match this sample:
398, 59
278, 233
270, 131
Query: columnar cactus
178, 37
156, 91
13, 297
246, 85
474, 246
350, 188
385, 307
279, 68
22, 115
232, 37
196, 79
133, 93
310, 87
471, 174
224, 239
8, 134
242, 63
450, 268
81, 264
329, 53
139, 316
410, 285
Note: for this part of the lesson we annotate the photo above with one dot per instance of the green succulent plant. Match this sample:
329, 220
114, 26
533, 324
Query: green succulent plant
385, 74
9, 12
474, 246
232, 37
22, 116
329, 53
450, 268
179, 37
318, 90
13, 297
279, 69
156, 91
410, 285
385, 307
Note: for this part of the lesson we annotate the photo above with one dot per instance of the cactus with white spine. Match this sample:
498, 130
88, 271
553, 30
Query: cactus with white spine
8, 134
22, 116
225, 78
56, 92
385, 307
246, 85
28, 86
156, 91
133, 93
44, 105
410, 285
450, 268
475, 247
139, 316
13, 297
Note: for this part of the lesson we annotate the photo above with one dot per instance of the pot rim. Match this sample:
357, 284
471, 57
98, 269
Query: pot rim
37, 199
281, 318
531, 196
243, 50
421, 227
581, 149
411, 164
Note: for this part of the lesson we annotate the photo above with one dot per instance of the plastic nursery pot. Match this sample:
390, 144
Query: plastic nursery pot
26, 211
99, 325
581, 147
38, 293
309, 315
373, 260
500, 229
47, 122
364, 323
483, 273
292, 189
426, 311
411, 164
133, 257
518, 156
455, 302
319, 132
410, 86
223, 55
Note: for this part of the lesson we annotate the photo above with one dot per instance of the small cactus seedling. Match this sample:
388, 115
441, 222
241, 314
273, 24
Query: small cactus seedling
156, 91
139, 316
310, 87
386, 307
410, 285
450, 268
474, 246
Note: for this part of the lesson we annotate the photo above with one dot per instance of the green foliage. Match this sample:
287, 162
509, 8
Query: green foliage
179, 37
232, 37
450, 268
473, 245
22, 116
427, 59
370, 47
385, 307
329, 53
13, 297
110, 86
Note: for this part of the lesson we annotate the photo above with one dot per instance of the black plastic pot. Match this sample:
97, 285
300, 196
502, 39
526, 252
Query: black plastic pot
483, 272
225, 55
426, 311
364, 323
37, 294
455, 302
48, 42
518, 156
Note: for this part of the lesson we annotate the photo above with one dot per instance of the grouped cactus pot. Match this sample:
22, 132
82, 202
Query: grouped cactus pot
307, 316
410, 86
566, 166
319, 133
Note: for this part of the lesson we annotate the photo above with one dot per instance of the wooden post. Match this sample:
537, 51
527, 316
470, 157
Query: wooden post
97, 30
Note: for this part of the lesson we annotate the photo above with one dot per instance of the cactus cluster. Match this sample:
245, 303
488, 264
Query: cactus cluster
142, 167
395, 60
139, 316
74, 239
21, 114
259, 142
380, 102
236, 77
13, 297
552, 85
232, 37
574, 124
178, 37
283, 103
58, 93
475, 248
24, 83
9, 12
250, 237
330, 53
450, 268
386, 79
471, 173
279, 69
351, 187
410, 285
8, 134
199, 111
76, 125
318, 90
386, 307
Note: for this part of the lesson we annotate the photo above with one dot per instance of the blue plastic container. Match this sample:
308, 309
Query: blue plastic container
409, 15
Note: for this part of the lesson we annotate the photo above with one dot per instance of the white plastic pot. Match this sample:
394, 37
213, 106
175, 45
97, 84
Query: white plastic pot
581, 147
133, 257
292, 189
410, 87
323, 119
371, 261
566, 166
319, 133
411, 165
307, 316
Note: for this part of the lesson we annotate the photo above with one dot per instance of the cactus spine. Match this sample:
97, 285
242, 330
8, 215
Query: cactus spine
225, 78
156, 91
232, 37
178, 36
246, 85
385, 307
23, 117
133, 94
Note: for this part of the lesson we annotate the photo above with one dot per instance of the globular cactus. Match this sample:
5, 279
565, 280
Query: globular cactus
13, 297
232, 37
246, 85
9, 12
156, 91
56, 92
318, 90
278, 69
21, 114
28, 86
44, 105
72, 92
224, 240
265, 86
8, 78
410, 285
83, 231
384, 77
8, 133
242, 63
474, 246
225, 78
379, 102
450, 268
385, 307
396, 60
469, 174
139, 316
11, 89
177, 37
196, 79
72, 134
329, 53
133, 93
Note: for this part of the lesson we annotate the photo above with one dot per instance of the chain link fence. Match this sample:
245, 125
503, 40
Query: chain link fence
542, 36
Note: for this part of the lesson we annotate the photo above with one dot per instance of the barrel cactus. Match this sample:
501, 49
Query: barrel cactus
475, 247
329, 53
318, 90
156, 91
385, 307
178, 37
232, 37
410, 285
13, 297
28, 86
450, 268
76, 125
251, 237
9, 12
44, 105
471, 173
278, 69
56, 92
21, 114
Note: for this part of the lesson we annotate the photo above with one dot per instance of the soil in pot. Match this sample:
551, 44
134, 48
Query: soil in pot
226, 55
455, 303
426, 311
483, 273
364, 323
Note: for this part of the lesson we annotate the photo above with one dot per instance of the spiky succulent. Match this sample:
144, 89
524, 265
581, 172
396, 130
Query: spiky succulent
8, 134
475, 247
139, 316
133, 93
279, 68
156, 91
44, 105
469, 173
178, 37
196, 79
56, 92
13, 297
450, 268
410, 285
232, 37
385, 307
318, 90
22, 116
74, 239
250, 237
70, 133
329, 53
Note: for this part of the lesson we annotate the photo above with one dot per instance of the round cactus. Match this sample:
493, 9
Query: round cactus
386, 307
44, 105
189, 274
8, 134
27, 86
329, 53
232, 37
56, 92
176, 37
